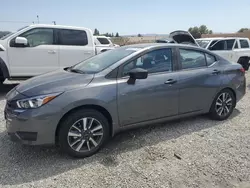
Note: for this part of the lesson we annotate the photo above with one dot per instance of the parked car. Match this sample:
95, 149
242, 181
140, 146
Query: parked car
37, 49
231, 48
179, 37
104, 41
82, 106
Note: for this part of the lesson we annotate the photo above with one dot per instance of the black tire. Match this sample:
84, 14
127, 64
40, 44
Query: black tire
66, 125
244, 61
2, 79
214, 114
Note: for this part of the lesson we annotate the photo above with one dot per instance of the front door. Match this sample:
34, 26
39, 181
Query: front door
38, 57
152, 98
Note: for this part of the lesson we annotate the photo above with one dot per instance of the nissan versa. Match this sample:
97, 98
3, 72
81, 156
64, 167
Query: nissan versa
81, 107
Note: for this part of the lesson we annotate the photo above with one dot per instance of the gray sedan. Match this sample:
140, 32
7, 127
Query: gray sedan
81, 107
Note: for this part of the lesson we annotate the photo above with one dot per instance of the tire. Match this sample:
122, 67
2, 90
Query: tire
227, 105
244, 61
2, 79
74, 124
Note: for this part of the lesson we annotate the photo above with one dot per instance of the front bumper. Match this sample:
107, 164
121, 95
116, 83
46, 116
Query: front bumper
32, 127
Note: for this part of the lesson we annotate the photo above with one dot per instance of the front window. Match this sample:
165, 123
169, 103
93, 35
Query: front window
39, 36
155, 61
244, 44
104, 60
203, 43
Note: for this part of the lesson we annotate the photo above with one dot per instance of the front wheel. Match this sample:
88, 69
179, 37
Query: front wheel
83, 133
223, 105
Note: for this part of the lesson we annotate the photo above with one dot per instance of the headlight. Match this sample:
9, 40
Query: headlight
35, 102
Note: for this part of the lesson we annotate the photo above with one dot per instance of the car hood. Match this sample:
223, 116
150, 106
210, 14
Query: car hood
183, 37
57, 81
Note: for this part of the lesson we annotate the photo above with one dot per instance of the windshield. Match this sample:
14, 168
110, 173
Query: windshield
102, 61
203, 43
11, 33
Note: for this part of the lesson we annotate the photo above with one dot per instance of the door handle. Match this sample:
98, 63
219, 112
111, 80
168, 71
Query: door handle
170, 81
216, 71
51, 51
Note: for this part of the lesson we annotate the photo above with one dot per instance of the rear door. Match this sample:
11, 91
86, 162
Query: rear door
152, 98
74, 46
199, 80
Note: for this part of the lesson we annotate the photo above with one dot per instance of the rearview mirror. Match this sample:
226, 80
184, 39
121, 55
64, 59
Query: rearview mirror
21, 40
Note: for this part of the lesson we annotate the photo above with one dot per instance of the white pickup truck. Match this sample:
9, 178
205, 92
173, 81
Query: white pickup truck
37, 49
233, 49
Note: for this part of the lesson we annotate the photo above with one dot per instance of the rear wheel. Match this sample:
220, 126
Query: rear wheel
223, 105
83, 133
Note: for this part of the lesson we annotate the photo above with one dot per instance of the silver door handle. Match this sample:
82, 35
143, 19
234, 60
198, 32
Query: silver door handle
51, 51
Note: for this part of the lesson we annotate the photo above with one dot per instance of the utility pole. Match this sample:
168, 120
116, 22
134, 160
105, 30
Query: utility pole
37, 18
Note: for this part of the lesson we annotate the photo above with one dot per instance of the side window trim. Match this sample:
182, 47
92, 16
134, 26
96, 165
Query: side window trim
174, 62
13, 39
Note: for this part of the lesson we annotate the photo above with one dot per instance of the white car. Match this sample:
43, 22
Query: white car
234, 49
37, 49
104, 43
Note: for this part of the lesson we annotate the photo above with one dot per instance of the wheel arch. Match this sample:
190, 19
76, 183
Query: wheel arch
98, 108
4, 69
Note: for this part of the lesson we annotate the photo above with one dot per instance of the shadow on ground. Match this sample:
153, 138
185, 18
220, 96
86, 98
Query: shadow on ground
22, 164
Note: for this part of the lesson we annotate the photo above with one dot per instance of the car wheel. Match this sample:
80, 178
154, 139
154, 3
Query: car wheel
83, 133
223, 105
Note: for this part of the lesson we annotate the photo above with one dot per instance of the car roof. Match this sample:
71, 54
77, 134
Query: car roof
58, 26
152, 45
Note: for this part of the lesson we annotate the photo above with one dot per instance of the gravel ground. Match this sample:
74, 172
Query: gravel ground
194, 152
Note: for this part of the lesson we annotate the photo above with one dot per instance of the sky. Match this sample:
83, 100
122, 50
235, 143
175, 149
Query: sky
128, 16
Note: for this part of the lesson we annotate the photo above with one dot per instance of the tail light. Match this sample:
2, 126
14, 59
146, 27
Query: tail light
242, 70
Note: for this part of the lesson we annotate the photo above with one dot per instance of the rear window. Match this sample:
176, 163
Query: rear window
103, 40
73, 37
244, 44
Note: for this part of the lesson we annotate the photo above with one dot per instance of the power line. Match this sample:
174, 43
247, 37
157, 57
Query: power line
7, 21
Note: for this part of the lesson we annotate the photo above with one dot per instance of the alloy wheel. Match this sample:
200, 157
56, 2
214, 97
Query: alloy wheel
85, 134
224, 104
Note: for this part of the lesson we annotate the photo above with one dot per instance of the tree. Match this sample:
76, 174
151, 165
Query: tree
243, 30
198, 31
139, 35
195, 32
96, 32
112, 35
117, 34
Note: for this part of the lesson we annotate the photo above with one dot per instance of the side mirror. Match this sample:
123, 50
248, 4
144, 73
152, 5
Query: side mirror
21, 41
138, 73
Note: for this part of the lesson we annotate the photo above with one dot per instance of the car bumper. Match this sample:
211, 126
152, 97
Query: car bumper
30, 126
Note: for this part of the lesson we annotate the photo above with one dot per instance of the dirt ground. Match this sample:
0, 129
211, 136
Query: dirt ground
194, 152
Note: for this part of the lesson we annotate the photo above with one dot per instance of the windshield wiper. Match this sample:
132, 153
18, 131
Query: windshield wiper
76, 70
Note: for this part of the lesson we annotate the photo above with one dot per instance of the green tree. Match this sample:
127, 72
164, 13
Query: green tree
96, 32
139, 35
198, 31
243, 30
117, 34
112, 35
